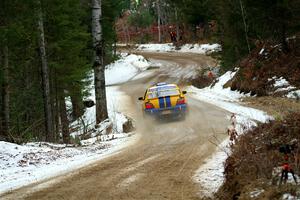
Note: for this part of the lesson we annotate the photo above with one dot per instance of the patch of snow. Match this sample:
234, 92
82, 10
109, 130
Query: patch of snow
288, 196
256, 193
282, 85
289, 88
281, 82
88, 121
187, 48
294, 94
276, 174
200, 48
261, 51
167, 47
291, 38
124, 69
210, 175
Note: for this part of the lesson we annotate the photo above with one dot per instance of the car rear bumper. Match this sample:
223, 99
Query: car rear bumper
177, 110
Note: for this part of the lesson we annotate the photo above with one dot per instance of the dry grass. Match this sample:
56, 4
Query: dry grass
278, 107
257, 68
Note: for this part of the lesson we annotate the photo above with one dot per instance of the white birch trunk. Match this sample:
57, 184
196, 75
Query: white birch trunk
45, 78
64, 118
158, 20
99, 68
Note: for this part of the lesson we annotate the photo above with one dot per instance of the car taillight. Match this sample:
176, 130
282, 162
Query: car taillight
149, 105
181, 101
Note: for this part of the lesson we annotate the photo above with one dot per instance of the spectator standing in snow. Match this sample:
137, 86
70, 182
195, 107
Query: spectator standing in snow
231, 130
181, 34
286, 168
173, 36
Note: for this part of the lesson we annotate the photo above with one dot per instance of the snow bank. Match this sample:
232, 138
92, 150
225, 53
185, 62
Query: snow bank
25, 164
227, 99
114, 97
187, 48
168, 47
210, 175
125, 68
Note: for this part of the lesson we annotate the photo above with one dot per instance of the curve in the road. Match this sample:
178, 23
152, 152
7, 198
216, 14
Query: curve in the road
162, 163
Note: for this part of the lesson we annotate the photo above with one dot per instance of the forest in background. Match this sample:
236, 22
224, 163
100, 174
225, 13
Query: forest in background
69, 56
239, 25
242, 25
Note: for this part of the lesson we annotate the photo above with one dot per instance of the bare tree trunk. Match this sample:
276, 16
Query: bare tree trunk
6, 99
195, 36
64, 119
45, 78
245, 25
158, 20
2, 137
56, 117
99, 76
128, 34
77, 105
55, 106
177, 25
124, 33
283, 34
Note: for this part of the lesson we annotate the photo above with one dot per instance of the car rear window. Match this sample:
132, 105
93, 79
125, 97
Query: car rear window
157, 92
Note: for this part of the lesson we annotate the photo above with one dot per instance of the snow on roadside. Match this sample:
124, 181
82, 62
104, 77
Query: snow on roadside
187, 48
122, 70
210, 175
25, 164
227, 99
125, 68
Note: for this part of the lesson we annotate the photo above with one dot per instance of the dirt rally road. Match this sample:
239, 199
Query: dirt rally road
162, 162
